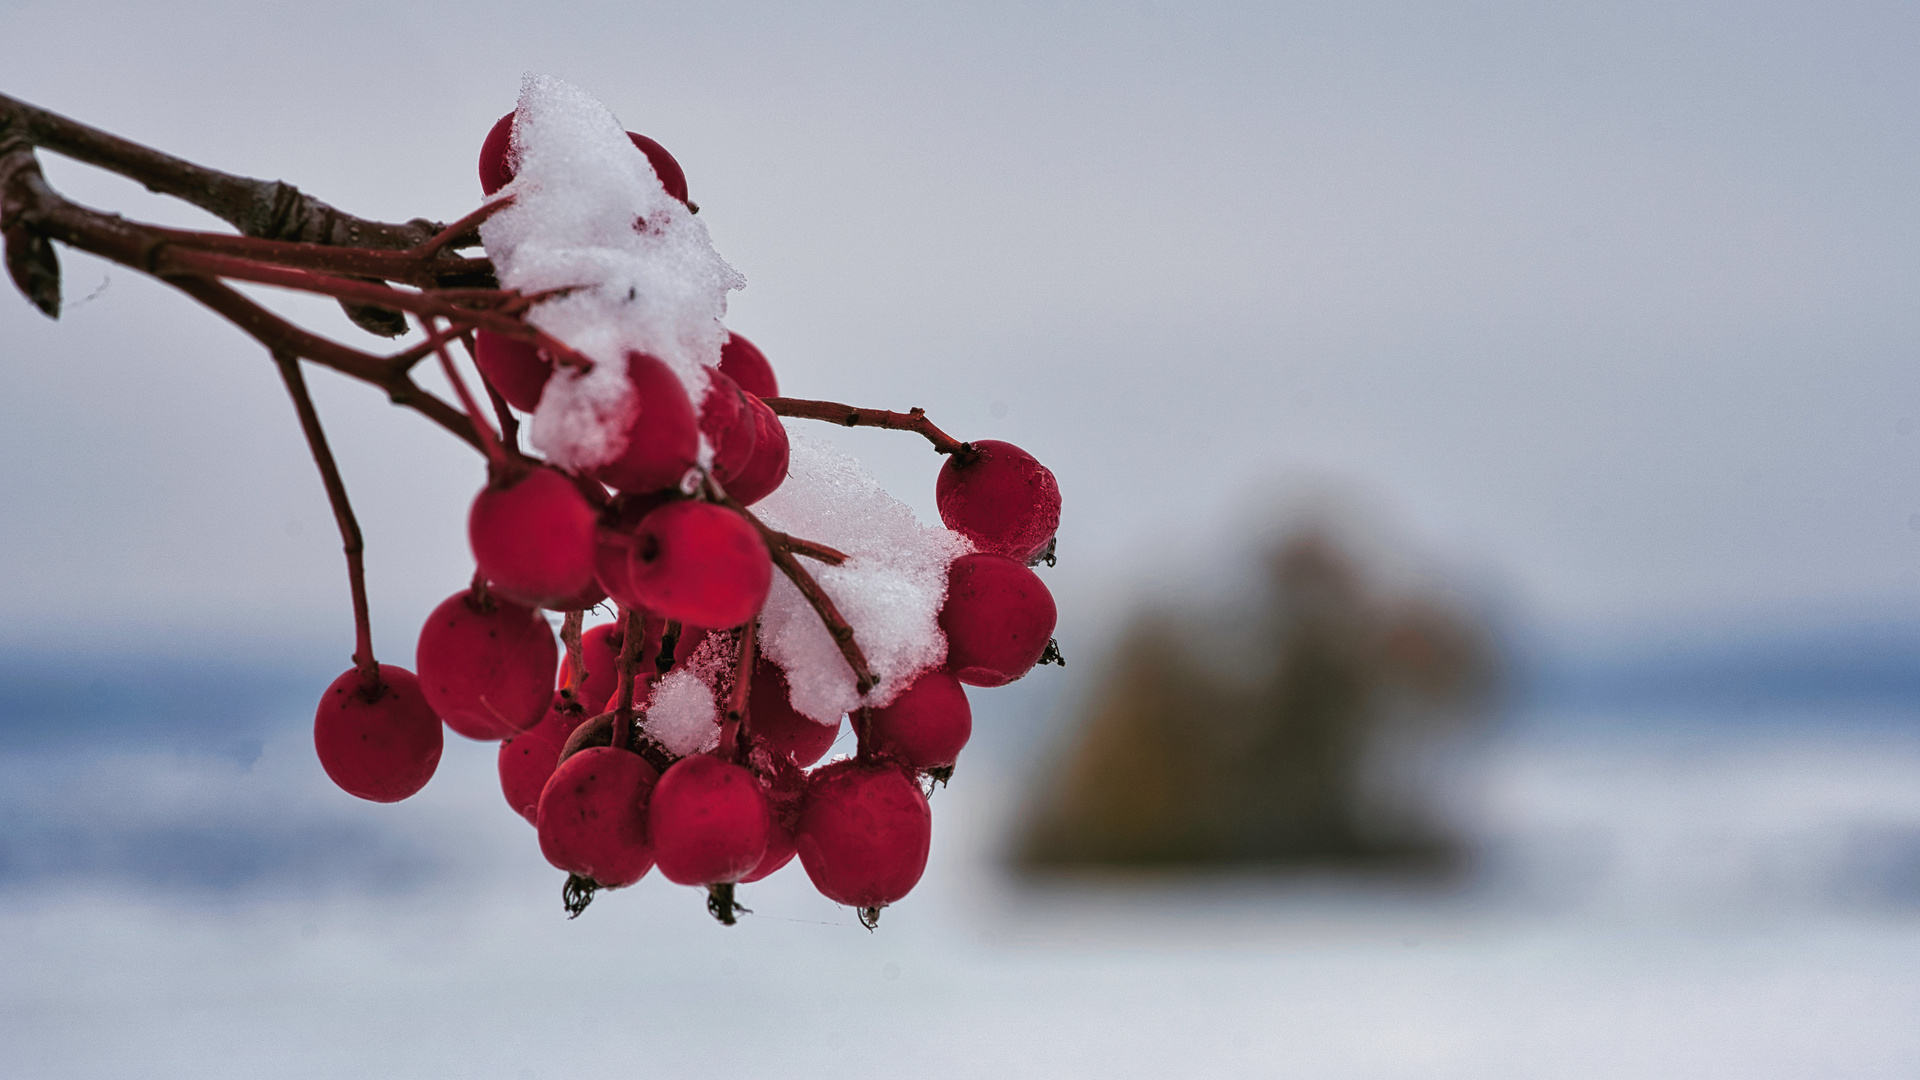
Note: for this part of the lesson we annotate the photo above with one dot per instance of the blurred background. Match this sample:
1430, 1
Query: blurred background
1489, 575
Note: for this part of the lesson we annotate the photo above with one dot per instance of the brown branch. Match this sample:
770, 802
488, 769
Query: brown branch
262, 208
350, 538
406, 266
30, 207
851, 416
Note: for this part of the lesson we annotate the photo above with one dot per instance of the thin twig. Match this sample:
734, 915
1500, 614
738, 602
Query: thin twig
852, 416
461, 228
497, 457
350, 538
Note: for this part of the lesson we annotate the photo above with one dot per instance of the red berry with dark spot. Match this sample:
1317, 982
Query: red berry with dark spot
613, 542
927, 725
864, 832
533, 538
513, 367
777, 727
708, 822
748, 366
767, 469
528, 759
998, 618
701, 564
662, 439
999, 497
381, 746
486, 668
593, 816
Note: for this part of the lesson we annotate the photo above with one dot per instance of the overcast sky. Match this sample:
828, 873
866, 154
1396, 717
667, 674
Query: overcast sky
1611, 307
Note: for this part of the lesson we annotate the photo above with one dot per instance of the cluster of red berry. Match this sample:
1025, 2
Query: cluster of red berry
672, 544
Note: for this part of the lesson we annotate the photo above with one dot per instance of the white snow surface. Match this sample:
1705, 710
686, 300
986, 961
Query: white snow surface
589, 213
681, 716
890, 589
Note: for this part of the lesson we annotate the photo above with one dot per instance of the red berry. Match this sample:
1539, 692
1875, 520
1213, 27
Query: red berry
495, 172
528, 759
382, 746
593, 816
927, 725
663, 439
999, 497
672, 177
774, 724
767, 469
701, 564
864, 832
708, 822
513, 367
998, 618
748, 366
486, 669
532, 537
729, 425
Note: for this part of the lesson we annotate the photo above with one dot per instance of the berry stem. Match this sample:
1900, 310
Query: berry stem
669, 644
862, 733
734, 737
576, 652
503, 412
350, 538
852, 416
811, 550
632, 638
502, 464
465, 229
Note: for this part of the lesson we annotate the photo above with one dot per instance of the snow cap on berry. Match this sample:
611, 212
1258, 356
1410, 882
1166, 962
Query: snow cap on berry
590, 215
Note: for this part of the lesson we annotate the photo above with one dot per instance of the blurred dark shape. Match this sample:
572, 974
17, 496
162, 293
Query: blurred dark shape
1298, 739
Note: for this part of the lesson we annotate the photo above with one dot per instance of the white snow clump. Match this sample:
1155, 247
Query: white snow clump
890, 589
589, 212
681, 715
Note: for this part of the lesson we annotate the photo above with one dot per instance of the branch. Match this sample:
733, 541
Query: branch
262, 208
852, 416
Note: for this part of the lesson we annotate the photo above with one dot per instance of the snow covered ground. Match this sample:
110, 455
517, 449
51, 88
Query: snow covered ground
1654, 899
